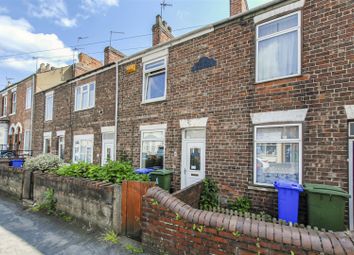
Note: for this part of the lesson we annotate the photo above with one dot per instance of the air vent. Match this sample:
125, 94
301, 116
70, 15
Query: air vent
351, 129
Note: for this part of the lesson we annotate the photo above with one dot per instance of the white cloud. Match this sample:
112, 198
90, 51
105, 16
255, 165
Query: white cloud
53, 9
94, 6
3, 9
23, 39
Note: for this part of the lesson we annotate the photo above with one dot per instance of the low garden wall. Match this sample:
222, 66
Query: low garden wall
95, 203
11, 180
191, 194
174, 227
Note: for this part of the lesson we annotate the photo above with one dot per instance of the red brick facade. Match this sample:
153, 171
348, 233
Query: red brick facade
17, 120
82, 122
227, 94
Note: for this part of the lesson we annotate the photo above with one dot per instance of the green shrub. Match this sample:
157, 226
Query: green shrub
48, 203
44, 163
210, 194
241, 204
113, 171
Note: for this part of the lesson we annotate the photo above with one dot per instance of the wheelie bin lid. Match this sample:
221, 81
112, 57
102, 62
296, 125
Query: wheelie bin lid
325, 189
162, 172
288, 185
144, 170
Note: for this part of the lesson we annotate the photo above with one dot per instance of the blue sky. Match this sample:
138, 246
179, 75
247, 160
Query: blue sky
38, 25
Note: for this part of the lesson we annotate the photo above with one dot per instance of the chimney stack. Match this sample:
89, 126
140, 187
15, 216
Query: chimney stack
238, 6
112, 55
161, 32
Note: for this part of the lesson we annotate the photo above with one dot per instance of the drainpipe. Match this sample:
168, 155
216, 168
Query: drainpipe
32, 111
116, 113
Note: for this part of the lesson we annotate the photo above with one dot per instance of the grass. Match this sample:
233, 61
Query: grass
133, 250
110, 237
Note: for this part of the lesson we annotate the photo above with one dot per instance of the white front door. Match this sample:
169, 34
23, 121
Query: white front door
193, 157
107, 147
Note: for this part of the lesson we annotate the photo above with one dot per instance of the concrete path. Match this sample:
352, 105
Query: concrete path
28, 233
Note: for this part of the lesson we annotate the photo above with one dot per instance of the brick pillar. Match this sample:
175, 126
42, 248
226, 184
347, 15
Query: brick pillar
238, 6
161, 32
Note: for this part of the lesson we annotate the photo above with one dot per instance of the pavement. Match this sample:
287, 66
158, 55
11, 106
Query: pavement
24, 232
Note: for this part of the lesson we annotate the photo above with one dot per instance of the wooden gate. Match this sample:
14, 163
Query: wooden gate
132, 194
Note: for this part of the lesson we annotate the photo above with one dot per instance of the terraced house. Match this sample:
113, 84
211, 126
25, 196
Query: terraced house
267, 93
17, 102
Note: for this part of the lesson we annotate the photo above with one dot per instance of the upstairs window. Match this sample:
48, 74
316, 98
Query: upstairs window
154, 87
13, 102
49, 106
28, 98
278, 48
277, 154
85, 97
4, 105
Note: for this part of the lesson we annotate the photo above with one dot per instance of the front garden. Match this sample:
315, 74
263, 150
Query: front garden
113, 171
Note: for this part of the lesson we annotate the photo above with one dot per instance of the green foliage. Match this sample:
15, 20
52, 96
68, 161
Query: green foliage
44, 163
241, 204
133, 250
178, 216
113, 171
267, 217
209, 197
200, 228
219, 229
48, 203
154, 201
292, 253
65, 217
110, 237
236, 234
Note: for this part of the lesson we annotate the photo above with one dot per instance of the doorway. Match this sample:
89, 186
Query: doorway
107, 147
351, 188
193, 156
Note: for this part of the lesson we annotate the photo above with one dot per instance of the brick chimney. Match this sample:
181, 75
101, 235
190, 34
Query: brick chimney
112, 55
161, 32
238, 6
86, 63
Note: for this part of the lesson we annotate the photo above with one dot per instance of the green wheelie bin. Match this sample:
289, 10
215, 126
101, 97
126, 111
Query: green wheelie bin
162, 177
326, 206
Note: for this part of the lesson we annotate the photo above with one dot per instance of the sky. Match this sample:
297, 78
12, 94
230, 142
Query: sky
54, 31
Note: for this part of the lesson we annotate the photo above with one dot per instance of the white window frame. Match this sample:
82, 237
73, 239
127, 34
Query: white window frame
297, 28
47, 135
48, 113
79, 138
79, 96
153, 128
28, 98
298, 140
13, 102
63, 143
147, 73
27, 135
4, 110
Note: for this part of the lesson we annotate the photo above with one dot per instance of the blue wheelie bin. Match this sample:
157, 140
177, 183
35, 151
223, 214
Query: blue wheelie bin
288, 200
144, 170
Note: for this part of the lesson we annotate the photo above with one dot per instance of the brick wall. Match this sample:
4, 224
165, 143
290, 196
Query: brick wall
191, 194
73, 122
227, 94
11, 180
202, 232
95, 203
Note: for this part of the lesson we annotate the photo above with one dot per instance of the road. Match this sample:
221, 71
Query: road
28, 233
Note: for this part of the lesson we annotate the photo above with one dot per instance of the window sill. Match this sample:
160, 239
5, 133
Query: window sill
284, 80
261, 188
48, 121
81, 110
154, 101
12, 114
